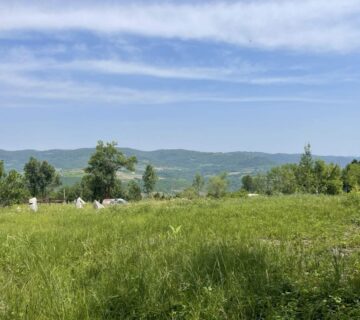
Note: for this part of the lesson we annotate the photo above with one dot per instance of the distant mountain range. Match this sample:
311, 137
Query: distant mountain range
176, 168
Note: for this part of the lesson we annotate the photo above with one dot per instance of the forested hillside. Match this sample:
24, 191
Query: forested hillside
176, 168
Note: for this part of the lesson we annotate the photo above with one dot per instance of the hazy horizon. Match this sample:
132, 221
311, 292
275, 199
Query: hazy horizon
181, 149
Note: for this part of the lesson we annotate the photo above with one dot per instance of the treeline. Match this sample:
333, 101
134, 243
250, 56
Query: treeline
101, 181
38, 180
214, 187
308, 176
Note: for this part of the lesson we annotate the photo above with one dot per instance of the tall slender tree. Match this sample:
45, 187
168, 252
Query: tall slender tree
198, 183
305, 172
149, 179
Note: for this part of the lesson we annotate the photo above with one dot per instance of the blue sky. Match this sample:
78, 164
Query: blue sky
203, 75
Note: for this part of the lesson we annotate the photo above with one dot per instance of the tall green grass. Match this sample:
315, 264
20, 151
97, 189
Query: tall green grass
266, 258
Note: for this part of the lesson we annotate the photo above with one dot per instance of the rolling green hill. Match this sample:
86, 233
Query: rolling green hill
176, 168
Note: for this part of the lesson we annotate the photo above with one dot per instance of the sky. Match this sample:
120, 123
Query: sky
250, 75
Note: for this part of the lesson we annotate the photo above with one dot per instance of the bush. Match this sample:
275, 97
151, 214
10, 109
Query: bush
217, 186
189, 193
133, 191
13, 189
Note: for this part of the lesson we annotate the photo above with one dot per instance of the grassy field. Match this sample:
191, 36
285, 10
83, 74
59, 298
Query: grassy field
262, 258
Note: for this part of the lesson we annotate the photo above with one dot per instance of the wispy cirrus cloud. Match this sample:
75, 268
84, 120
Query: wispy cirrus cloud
241, 73
29, 91
312, 25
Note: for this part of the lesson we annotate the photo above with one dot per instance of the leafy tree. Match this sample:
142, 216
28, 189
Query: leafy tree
327, 178
85, 188
282, 180
103, 167
133, 191
33, 176
248, 183
118, 190
149, 179
12, 189
351, 177
40, 177
305, 172
198, 183
261, 184
308, 176
49, 178
218, 185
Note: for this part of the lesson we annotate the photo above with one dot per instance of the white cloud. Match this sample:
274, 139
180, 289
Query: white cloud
244, 73
27, 91
316, 25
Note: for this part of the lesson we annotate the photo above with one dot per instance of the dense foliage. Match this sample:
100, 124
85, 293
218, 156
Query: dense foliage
291, 257
12, 188
308, 176
133, 191
102, 180
218, 186
102, 168
149, 179
178, 167
351, 176
41, 177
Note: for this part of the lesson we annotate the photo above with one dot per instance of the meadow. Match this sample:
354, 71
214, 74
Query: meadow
295, 257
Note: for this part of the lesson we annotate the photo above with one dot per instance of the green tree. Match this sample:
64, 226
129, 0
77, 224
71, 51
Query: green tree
305, 172
198, 183
40, 177
351, 177
133, 192
282, 180
328, 178
12, 189
217, 186
33, 176
85, 188
118, 190
261, 184
103, 167
320, 173
49, 178
149, 179
248, 183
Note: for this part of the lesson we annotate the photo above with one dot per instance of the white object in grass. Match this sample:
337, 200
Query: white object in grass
33, 204
97, 205
79, 203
